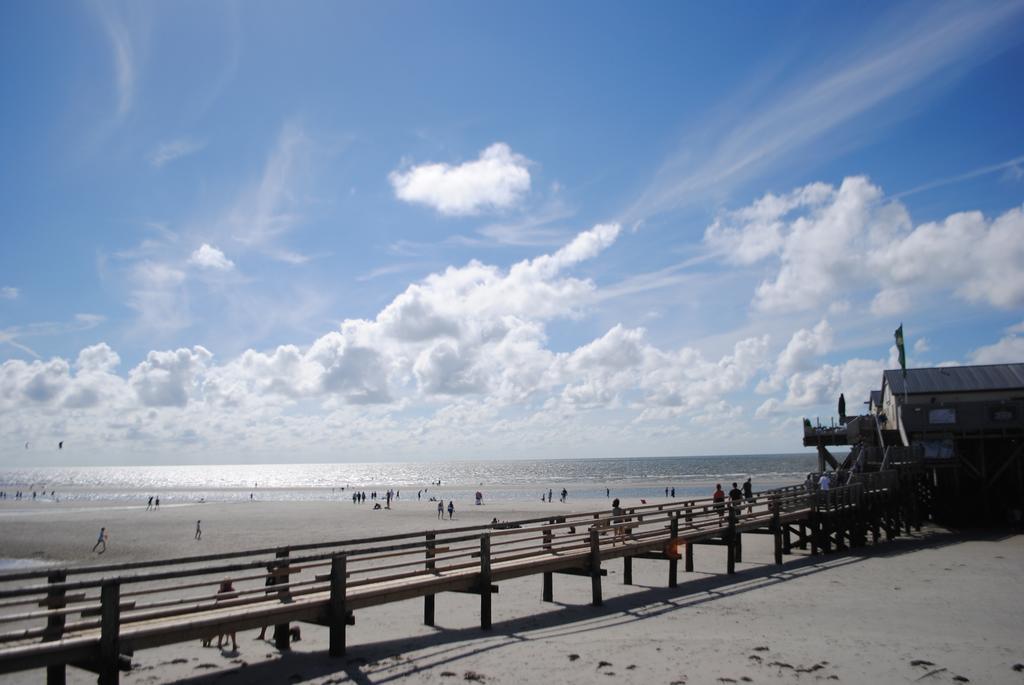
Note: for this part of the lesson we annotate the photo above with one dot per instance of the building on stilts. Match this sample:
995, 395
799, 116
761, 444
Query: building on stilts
955, 434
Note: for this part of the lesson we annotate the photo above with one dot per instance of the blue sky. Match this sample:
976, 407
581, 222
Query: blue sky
351, 232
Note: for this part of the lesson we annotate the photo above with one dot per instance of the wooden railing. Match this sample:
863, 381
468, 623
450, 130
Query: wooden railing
91, 616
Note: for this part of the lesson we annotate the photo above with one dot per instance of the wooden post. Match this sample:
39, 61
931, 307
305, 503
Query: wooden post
595, 568
55, 673
548, 581
815, 515
673, 562
730, 539
110, 629
825, 527
627, 570
281, 637
428, 600
339, 613
803, 536
485, 581
773, 503
689, 513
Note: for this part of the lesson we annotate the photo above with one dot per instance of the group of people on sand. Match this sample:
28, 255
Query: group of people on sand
563, 496
440, 509
21, 495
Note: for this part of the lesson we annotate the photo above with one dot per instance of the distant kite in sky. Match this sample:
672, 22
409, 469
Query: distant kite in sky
60, 445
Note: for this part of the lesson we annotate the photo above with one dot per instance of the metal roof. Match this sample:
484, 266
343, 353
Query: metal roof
955, 379
875, 398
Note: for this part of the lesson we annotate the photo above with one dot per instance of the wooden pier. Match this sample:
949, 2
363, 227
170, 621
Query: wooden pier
95, 617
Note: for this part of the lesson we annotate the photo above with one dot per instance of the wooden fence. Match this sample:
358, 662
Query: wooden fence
95, 617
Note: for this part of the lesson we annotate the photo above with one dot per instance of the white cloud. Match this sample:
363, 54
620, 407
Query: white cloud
169, 379
459, 359
210, 257
799, 354
174, 149
9, 293
498, 179
831, 242
1007, 350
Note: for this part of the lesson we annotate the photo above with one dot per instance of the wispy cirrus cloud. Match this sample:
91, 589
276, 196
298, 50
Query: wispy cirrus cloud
498, 179
805, 108
15, 335
126, 26
169, 151
9, 293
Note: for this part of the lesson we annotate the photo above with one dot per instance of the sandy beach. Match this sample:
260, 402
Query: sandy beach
938, 607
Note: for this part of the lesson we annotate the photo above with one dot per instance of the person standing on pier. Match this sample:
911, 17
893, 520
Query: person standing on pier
719, 501
735, 497
842, 409
748, 495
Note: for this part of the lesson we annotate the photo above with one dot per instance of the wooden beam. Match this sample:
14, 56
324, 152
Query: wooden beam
485, 581
338, 611
428, 600
673, 561
281, 636
110, 598
56, 674
595, 568
548, 590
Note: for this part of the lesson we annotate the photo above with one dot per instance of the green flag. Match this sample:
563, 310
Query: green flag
899, 347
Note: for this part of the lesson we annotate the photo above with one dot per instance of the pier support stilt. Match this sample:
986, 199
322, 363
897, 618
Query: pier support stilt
339, 612
595, 568
485, 582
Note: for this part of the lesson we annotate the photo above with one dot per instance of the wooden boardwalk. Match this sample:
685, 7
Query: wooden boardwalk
95, 617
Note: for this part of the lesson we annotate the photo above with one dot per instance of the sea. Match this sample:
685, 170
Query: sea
496, 480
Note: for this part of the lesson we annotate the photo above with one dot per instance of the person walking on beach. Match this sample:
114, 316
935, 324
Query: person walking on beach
549, 495
451, 509
748, 495
199, 531
565, 494
157, 504
719, 501
149, 504
440, 509
101, 541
